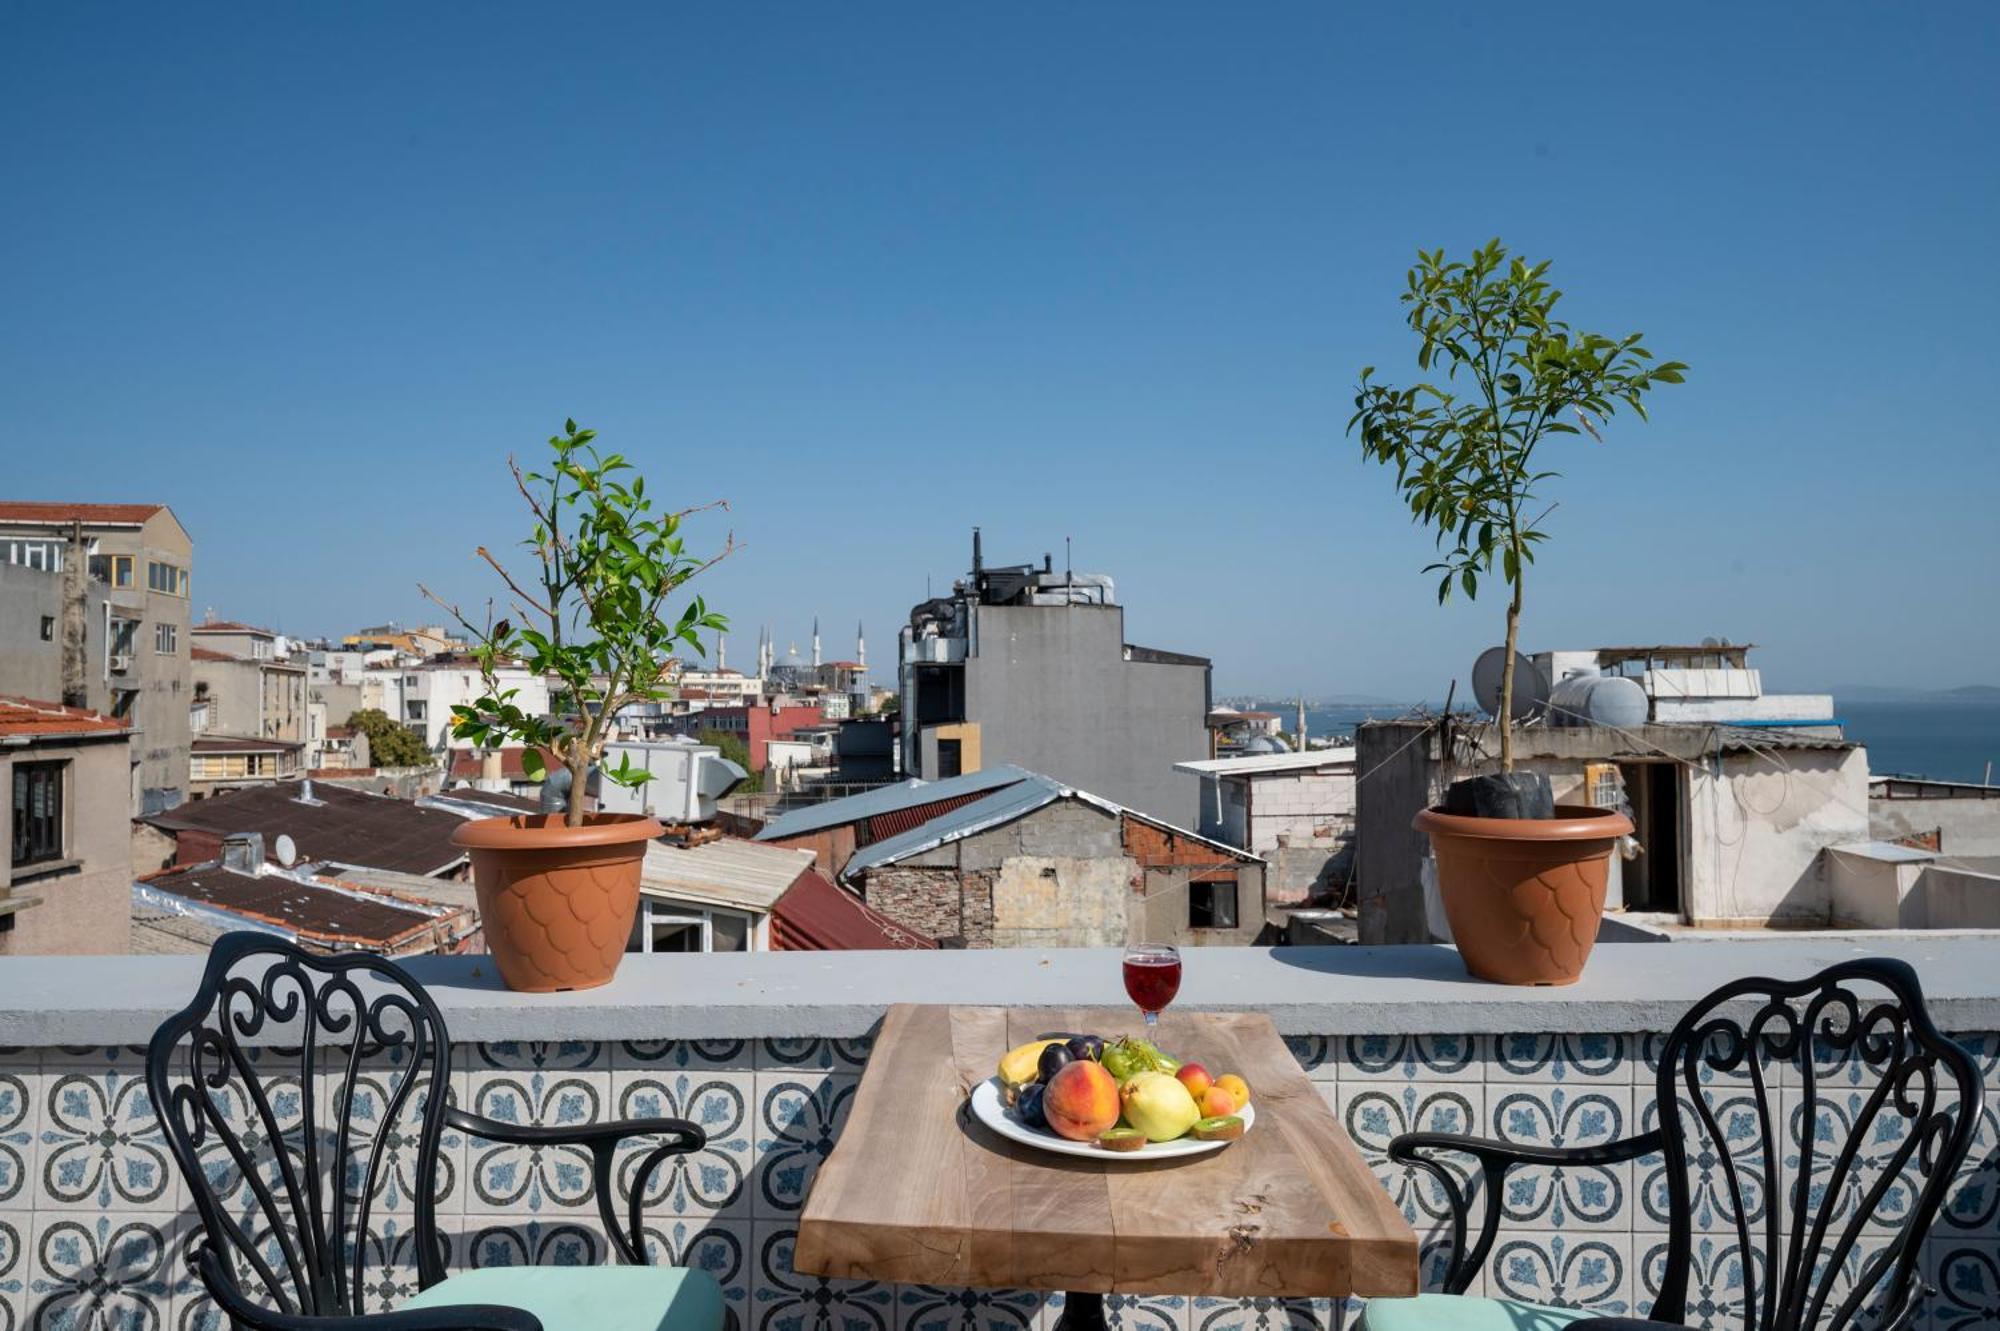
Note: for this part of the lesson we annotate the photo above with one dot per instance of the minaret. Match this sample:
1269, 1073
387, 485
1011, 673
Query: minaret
721, 653
860, 645
815, 642
1302, 723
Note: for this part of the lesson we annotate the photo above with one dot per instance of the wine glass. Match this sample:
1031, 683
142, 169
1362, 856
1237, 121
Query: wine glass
1152, 978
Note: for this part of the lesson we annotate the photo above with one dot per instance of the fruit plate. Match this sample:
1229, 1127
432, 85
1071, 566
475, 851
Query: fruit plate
990, 1108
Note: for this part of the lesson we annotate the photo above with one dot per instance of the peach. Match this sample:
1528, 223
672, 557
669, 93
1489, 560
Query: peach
1236, 1086
1217, 1102
1081, 1101
1195, 1077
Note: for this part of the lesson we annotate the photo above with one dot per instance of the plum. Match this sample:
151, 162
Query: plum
1053, 1060
1028, 1106
1085, 1046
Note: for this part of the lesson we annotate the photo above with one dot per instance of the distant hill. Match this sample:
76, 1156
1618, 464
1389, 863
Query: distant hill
1887, 693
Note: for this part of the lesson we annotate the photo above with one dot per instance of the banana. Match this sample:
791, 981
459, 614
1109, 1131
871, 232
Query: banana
1022, 1064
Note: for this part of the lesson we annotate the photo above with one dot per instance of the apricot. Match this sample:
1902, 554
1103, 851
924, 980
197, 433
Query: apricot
1081, 1101
1195, 1077
1217, 1102
1236, 1086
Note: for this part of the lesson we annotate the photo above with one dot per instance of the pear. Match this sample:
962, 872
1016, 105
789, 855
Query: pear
1158, 1105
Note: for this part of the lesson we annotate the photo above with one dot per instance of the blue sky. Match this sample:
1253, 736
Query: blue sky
878, 274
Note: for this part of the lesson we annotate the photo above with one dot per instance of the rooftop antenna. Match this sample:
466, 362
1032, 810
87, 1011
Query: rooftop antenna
978, 554
1069, 566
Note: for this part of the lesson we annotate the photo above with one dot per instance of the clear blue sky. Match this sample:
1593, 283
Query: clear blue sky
878, 274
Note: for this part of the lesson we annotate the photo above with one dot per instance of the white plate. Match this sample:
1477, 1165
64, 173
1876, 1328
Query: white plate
991, 1109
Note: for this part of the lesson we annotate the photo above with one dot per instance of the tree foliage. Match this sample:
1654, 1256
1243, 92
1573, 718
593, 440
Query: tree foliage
1464, 449
737, 750
390, 744
595, 619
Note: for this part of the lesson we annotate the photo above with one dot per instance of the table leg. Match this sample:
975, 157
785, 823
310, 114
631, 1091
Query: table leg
1081, 1312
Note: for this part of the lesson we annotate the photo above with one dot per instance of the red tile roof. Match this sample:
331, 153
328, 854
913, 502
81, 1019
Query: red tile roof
102, 515
465, 764
28, 716
815, 916
197, 652
242, 744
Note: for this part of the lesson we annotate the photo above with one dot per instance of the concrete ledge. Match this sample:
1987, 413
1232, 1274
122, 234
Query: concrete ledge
100, 1001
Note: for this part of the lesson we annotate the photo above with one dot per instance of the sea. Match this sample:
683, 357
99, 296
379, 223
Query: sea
1943, 738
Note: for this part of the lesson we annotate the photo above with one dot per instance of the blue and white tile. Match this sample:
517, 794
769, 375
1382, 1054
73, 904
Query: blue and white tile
267, 1123
1718, 1277
1209, 1314
1570, 1198
798, 1118
17, 1232
1590, 1270
534, 1180
661, 1056
784, 1300
389, 1261
85, 1271
384, 1118
102, 1146
1126, 1312
1710, 1164
1834, 1118
932, 1308
722, 1248
1972, 1207
510, 1240
1376, 1114
20, 1130
1713, 1065
1562, 1059
814, 1054
1316, 1055
546, 1056
714, 1181
1409, 1058
1967, 1277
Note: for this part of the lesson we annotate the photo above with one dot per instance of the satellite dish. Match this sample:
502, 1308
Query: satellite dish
287, 850
1711, 642
1531, 687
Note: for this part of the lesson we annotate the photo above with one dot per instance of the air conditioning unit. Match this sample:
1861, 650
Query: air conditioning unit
121, 662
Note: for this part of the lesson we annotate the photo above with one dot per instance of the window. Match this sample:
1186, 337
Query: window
48, 628
166, 638
169, 579
122, 702
1211, 905
44, 555
950, 762
413, 711
38, 813
114, 569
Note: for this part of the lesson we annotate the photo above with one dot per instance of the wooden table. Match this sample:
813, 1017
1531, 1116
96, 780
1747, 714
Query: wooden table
916, 1190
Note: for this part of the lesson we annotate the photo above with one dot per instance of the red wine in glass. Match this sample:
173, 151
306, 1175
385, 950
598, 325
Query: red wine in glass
1152, 978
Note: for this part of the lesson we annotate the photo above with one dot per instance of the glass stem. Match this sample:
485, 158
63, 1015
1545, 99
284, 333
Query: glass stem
1152, 1020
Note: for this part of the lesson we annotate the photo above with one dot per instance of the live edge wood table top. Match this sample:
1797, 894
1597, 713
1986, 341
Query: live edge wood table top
918, 1191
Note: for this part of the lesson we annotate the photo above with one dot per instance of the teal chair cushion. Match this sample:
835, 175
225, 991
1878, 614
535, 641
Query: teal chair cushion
589, 1298
1461, 1312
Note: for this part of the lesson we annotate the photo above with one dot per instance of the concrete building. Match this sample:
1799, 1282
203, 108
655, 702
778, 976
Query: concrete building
1037, 863
1956, 818
755, 724
66, 885
1294, 809
94, 613
254, 698
1731, 822
1707, 683
422, 695
1030, 666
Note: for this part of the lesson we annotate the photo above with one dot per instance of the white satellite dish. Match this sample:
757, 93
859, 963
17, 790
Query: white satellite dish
1531, 687
287, 850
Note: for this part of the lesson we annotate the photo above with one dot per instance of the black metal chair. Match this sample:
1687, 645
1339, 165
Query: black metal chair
286, 1183
1875, 1129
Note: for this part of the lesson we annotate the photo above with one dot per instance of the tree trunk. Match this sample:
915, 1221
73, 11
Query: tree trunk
1507, 679
579, 783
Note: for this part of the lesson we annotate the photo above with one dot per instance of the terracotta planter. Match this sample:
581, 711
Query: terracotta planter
557, 902
1524, 895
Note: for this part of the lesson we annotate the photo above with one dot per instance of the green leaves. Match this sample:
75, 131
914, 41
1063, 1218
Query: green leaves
1463, 455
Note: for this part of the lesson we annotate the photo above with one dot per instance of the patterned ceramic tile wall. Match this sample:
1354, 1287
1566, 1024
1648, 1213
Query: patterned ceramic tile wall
94, 1221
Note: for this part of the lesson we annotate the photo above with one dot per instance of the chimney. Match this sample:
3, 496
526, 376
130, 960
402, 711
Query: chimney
243, 852
305, 795
76, 620
978, 555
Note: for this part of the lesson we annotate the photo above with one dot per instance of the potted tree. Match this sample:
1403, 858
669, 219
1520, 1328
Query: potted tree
558, 891
1522, 879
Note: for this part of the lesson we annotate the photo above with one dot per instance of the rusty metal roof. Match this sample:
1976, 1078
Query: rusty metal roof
325, 914
341, 823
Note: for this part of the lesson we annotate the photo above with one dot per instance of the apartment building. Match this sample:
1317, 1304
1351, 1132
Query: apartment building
66, 883
94, 614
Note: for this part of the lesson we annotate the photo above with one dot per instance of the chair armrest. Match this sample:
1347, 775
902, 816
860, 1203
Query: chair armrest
1421, 1149
602, 1140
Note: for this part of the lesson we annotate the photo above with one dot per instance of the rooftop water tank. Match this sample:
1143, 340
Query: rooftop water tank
1598, 700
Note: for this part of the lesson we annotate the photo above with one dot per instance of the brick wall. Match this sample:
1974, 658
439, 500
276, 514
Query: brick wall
942, 903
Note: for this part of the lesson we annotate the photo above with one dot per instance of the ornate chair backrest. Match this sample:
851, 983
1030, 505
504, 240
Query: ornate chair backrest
1812, 1127
284, 1163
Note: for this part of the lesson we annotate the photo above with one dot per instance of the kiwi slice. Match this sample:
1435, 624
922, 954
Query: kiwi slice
1223, 1128
1122, 1139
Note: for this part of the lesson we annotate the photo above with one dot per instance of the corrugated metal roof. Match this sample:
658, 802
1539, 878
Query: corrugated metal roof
728, 872
1001, 807
1742, 739
816, 916
889, 799
885, 825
